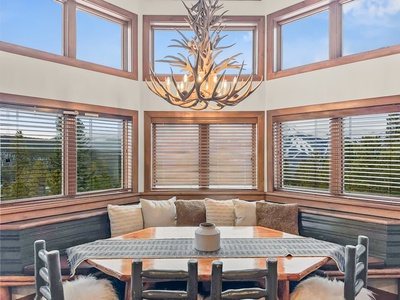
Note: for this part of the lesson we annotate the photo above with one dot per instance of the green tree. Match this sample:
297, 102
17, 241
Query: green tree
315, 168
54, 173
20, 169
37, 179
376, 161
92, 175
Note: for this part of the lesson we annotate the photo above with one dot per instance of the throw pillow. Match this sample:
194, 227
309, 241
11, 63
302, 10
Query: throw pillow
124, 218
220, 212
282, 217
245, 212
190, 212
157, 213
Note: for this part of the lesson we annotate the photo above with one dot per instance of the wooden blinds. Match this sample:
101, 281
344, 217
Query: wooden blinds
214, 156
357, 154
371, 154
52, 152
302, 151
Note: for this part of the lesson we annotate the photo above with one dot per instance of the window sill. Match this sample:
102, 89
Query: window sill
60, 207
20, 50
334, 62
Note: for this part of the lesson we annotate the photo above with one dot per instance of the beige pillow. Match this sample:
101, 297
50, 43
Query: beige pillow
282, 217
190, 212
245, 212
124, 218
158, 213
220, 212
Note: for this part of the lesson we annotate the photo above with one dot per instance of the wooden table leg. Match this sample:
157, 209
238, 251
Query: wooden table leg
283, 290
128, 290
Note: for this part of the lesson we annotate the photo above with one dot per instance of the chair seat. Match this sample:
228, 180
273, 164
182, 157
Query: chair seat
89, 288
83, 269
317, 288
373, 263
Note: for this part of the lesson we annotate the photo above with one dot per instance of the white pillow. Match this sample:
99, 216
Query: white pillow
245, 212
157, 213
124, 218
220, 212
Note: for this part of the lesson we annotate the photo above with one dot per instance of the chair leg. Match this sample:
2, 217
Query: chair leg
216, 280
5, 293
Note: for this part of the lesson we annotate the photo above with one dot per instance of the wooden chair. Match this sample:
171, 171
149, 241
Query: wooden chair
49, 285
190, 276
48, 280
356, 268
355, 278
270, 275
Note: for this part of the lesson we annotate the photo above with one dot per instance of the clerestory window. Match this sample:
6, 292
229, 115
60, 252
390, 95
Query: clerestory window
245, 33
89, 34
312, 35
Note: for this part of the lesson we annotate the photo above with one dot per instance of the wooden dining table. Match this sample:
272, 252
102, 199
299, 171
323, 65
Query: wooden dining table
290, 268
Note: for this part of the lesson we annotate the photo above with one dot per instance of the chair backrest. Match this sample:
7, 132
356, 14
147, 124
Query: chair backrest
190, 276
269, 274
48, 280
356, 268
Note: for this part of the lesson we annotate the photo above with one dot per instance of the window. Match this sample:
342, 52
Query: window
306, 37
98, 40
369, 25
305, 150
351, 153
51, 152
245, 32
23, 24
305, 40
93, 34
204, 151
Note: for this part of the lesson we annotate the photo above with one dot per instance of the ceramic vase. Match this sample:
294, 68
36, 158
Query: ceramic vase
207, 237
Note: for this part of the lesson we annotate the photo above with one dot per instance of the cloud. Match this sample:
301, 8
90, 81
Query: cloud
370, 12
248, 37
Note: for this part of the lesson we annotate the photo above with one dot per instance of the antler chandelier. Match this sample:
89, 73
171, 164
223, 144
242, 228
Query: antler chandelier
204, 80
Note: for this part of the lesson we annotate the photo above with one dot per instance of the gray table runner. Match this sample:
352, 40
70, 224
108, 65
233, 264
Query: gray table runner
183, 248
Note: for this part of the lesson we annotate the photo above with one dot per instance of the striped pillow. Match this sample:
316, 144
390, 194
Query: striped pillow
220, 212
124, 218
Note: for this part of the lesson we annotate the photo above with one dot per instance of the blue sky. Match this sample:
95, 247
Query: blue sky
368, 24
242, 40
38, 24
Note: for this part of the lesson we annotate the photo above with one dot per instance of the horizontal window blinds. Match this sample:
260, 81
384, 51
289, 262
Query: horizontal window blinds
220, 156
99, 153
31, 153
50, 152
302, 152
372, 154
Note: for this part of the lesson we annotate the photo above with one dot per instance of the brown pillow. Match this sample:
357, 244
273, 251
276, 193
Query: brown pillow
190, 212
282, 217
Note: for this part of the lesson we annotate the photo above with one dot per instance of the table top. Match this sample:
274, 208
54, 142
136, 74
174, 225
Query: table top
289, 268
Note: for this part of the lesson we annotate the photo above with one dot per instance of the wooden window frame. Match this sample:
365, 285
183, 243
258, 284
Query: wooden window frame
304, 9
203, 117
335, 200
15, 210
150, 21
128, 21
